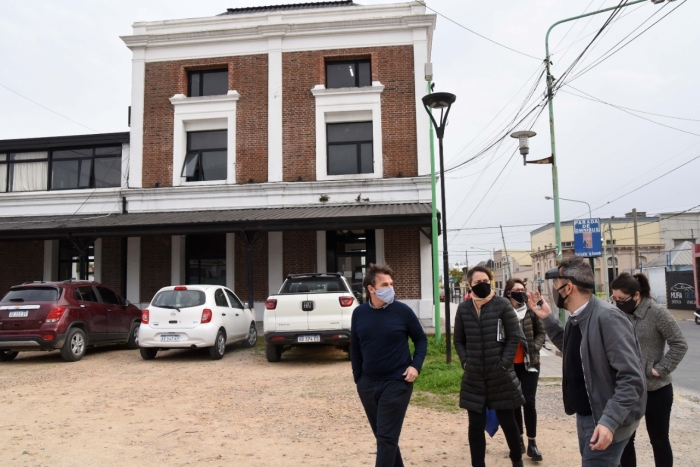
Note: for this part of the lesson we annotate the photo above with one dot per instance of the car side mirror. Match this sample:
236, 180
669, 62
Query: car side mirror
245, 305
127, 303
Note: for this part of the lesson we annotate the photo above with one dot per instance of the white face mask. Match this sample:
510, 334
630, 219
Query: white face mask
386, 295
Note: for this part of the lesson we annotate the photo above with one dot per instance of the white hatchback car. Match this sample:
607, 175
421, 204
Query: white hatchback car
193, 317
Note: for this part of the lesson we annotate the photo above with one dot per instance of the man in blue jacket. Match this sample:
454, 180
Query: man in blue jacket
382, 365
603, 381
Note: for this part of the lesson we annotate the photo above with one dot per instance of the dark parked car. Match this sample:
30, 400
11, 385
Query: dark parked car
67, 316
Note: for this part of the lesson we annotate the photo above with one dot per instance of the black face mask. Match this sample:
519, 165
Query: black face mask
561, 300
518, 297
628, 306
482, 289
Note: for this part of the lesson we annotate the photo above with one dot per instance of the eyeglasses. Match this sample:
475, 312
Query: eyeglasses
616, 299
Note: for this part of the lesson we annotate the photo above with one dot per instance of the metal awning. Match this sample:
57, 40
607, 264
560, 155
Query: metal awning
361, 216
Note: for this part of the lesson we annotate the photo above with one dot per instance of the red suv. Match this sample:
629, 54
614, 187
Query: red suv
67, 316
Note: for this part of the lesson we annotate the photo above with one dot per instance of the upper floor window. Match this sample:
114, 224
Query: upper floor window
350, 148
207, 83
27, 171
86, 168
348, 74
206, 158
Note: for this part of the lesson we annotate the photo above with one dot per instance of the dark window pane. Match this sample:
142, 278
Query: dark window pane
108, 296
235, 303
340, 75
313, 285
365, 73
179, 298
207, 140
110, 151
215, 83
64, 175
189, 168
347, 132
87, 294
214, 165
72, 153
342, 159
31, 295
85, 166
108, 172
194, 84
366, 158
220, 299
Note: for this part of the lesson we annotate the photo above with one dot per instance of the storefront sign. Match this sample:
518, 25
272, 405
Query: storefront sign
587, 238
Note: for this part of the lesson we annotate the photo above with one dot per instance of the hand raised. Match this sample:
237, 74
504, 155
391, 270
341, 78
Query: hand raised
532, 299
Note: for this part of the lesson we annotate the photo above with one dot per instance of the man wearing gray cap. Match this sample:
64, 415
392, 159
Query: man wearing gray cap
603, 381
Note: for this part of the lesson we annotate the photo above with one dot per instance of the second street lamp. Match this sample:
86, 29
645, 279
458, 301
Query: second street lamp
442, 101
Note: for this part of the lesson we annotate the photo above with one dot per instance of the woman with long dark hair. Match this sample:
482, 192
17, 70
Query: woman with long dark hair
526, 363
486, 337
655, 327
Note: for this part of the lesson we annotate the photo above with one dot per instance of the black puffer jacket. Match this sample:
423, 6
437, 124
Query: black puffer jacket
489, 378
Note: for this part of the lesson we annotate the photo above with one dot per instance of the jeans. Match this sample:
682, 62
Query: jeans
610, 457
528, 384
658, 419
477, 435
385, 404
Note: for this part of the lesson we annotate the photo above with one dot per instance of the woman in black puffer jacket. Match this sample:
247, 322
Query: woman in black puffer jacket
489, 379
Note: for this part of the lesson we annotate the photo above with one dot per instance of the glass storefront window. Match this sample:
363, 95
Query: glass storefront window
206, 259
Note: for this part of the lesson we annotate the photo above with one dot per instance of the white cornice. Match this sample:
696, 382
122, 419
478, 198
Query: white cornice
320, 90
279, 30
212, 197
182, 100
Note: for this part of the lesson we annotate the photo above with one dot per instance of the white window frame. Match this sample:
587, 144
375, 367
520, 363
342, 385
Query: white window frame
339, 105
204, 113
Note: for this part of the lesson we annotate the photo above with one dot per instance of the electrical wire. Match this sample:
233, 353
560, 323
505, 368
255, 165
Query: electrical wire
477, 34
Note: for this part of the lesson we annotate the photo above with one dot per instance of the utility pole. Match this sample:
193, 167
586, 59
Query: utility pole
636, 239
437, 307
612, 249
604, 264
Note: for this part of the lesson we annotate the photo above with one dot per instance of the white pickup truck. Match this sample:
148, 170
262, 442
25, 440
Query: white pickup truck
309, 309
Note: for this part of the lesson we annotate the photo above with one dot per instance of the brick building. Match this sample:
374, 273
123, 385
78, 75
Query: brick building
263, 142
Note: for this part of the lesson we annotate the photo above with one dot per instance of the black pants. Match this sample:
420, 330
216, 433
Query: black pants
528, 384
477, 435
658, 419
385, 404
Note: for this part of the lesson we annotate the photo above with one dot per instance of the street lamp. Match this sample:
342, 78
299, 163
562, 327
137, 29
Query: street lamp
550, 102
442, 101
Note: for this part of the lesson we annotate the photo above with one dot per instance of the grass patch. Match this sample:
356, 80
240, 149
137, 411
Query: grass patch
438, 385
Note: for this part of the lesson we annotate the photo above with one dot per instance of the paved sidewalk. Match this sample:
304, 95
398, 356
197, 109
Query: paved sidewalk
550, 362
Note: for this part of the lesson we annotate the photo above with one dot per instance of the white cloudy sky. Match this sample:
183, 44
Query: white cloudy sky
67, 56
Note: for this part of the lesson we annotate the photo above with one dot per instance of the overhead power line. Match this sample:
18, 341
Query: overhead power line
477, 34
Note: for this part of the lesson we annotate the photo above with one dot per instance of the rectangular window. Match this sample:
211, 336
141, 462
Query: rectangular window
26, 171
3, 173
207, 154
86, 168
207, 83
348, 74
350, 149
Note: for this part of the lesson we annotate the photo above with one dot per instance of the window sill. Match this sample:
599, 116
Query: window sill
181, 99
205, 182
321, 90
351, 176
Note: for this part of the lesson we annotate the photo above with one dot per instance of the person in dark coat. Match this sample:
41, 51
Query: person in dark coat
486, 337
527, 363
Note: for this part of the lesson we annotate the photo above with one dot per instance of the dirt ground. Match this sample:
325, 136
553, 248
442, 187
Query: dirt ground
182, 409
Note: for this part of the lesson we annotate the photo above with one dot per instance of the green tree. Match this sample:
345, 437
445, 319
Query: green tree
456, 274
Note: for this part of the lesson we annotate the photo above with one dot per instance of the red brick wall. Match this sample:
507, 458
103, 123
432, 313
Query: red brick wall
112, 273
402, 253
247, 75
299, 252
392, 66
22, 261
155, 265
260, 275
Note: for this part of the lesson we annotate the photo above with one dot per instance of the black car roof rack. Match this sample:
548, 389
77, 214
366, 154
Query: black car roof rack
314, 274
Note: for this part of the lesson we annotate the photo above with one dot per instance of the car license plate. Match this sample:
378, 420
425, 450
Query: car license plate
19, 314
311, 338
170, 337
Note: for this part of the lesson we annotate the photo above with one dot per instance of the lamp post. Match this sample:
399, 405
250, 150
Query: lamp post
442, 101
550, 101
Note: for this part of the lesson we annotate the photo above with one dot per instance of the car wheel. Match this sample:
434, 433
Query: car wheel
7, 356
697, 320
148, 354
217, 352
252, 336
75, 345
133, 342
273, 352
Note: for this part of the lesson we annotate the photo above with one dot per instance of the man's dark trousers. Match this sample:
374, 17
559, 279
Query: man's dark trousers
385, 404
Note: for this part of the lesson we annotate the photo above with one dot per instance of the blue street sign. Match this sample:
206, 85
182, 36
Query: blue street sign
587, 238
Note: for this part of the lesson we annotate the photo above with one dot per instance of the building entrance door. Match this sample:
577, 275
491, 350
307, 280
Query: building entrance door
206, 259
350, 252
